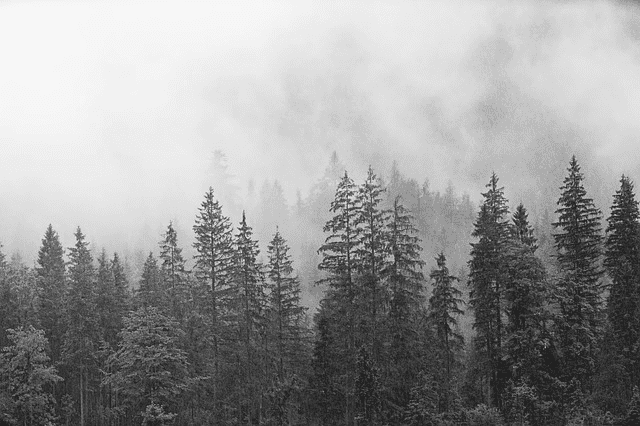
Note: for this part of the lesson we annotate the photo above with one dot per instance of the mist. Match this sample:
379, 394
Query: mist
111, 112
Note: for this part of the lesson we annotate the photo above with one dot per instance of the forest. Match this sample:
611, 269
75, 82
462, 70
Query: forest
430, 311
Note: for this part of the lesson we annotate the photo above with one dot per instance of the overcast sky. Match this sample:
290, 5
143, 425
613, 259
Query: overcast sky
109, 111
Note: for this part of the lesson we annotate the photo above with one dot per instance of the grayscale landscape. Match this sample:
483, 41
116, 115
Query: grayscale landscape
319, 213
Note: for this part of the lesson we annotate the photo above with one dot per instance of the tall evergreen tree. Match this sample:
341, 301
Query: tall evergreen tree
50, 270
173, 271
121, 283
404, 277
338, 262
285, 310
213, 267
523, 231
372, 256
287, 335
579, 291
622, 261
527, 340
150, 287
488, 279
249, 308
82, 336
444, 310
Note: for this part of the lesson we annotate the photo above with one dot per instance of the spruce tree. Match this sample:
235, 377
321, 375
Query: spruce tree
111, 297
444, 310
488, 279
405, 280
287, 337
82, 337
150, 287
286, 313
622, 261
579, 291
120, 281
523, 231
10, 304
372, 256
173, 272
527, 339
249, 306
105, 300
338, 262
50, 270
213, 267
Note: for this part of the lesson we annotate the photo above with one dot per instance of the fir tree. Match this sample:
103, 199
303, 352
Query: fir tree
213, 267
622, 261
104, 299
338, 261
285, 311
372, 255
444, 310
249, 308
405, 280
82, 336
527, 339
150, 288
579, 291
524, 232
173, 271
488, 278
121, 284
50, 270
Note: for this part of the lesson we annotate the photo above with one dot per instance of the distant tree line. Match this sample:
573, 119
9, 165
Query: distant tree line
554, 339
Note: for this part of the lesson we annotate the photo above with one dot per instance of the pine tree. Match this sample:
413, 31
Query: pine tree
213, 266
622, 261
82, 336
404, 277
50, 270
444, 310
579, 291
25, 375
173, 271
488, 278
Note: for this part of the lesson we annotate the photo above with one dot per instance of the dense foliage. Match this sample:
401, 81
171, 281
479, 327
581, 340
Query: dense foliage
515, 337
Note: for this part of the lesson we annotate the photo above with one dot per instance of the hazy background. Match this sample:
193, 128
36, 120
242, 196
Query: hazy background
110, 111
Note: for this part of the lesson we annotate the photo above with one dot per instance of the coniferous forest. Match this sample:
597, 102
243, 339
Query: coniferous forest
538, 324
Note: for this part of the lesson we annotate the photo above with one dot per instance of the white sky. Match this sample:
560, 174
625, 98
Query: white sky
109, 111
